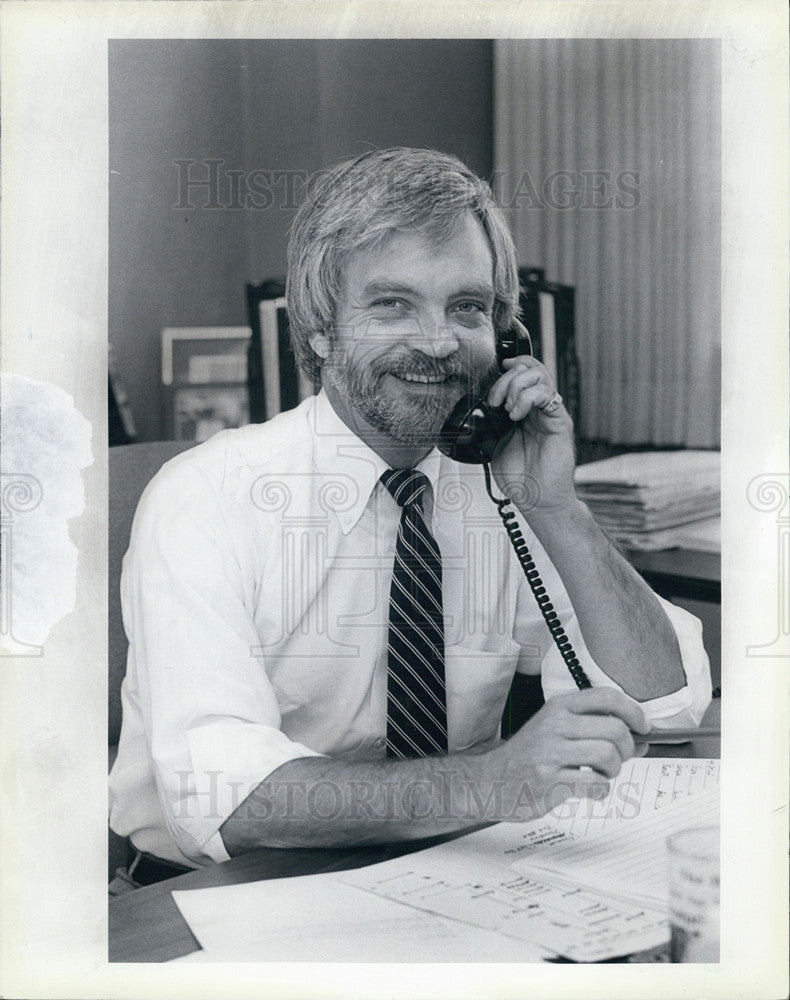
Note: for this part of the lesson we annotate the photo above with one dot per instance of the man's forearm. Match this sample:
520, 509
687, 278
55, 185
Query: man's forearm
328, 802
624, 627
565, 750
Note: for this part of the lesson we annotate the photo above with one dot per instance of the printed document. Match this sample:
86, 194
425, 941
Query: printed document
586, 882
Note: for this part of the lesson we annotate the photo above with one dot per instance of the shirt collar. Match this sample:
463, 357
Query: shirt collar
339, 453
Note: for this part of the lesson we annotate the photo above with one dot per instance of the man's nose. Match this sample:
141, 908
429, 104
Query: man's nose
436, 338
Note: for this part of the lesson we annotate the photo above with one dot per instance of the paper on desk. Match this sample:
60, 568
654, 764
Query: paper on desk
473, 879
474, 906
653, 474
643, 785
630, 860
317, 918
458, 880
703, 535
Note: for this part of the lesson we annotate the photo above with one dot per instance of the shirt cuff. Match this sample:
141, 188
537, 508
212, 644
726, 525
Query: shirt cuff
230, 759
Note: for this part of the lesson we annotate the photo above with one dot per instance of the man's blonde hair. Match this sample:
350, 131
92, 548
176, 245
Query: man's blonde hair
357, 203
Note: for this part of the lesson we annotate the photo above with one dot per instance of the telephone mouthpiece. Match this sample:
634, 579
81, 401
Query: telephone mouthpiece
473, 431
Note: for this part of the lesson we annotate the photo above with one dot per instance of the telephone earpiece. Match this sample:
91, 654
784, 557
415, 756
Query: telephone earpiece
513, 342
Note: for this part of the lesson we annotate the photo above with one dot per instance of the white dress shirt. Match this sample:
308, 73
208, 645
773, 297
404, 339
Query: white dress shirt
256, 599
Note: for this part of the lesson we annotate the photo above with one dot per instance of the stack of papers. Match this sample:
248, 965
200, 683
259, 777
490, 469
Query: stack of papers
652, 500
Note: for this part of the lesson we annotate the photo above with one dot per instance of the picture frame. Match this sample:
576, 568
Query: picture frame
201, 411
205, 379
200, 355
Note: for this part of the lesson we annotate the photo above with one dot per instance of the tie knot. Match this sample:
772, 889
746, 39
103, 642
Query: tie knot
406, 485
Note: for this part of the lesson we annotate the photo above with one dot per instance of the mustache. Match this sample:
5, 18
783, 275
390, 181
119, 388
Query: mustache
474, 384
415, 364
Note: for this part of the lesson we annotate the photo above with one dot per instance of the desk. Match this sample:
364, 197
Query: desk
147, 926
680, 572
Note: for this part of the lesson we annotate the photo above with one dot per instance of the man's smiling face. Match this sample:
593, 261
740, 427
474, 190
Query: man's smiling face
414, 332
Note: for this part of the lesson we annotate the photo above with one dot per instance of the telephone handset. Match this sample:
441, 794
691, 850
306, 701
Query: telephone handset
473, 429
471, 434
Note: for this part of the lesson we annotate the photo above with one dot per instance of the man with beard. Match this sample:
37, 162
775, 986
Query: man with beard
263, 704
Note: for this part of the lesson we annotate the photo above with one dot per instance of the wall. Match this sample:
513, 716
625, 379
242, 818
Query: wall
268, 112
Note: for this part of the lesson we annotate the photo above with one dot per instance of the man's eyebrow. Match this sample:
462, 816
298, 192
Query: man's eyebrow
374, 288
481, 291
387, 288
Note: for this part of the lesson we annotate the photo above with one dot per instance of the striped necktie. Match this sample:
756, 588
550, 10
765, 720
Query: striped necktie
416, 705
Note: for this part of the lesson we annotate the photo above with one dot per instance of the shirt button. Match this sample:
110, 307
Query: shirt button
380, 743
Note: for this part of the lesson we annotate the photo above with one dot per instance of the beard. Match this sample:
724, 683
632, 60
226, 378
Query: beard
409, 417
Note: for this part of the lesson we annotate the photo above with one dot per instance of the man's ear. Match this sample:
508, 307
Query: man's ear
321, 344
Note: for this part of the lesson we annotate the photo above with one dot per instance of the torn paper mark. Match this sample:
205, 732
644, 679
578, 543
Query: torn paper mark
46, 442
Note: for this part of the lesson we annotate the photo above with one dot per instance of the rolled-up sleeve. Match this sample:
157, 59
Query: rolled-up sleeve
684, 707
211, 717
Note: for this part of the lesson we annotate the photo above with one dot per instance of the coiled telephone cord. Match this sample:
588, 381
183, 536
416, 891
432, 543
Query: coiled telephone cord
536, 586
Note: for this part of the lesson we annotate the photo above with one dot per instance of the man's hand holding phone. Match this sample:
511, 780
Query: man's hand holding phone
535, 466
